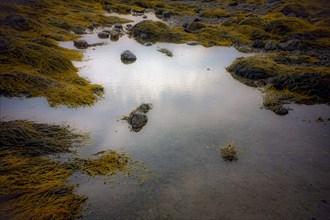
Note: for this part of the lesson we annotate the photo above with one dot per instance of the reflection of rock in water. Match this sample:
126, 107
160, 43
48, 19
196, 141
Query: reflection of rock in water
138, 118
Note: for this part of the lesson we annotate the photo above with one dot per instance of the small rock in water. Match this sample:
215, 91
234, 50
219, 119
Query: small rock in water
144, 16
128, 57
148, 44
103, 35
138, 118
80, 44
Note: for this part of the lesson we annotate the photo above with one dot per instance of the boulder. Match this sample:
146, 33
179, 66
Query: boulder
145, 16
127, 57
271, 45
138, 118
103, 35
80, 44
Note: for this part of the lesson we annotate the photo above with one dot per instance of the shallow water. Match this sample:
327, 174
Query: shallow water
283, 167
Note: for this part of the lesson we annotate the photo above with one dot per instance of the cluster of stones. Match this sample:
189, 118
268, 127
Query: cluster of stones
138, 118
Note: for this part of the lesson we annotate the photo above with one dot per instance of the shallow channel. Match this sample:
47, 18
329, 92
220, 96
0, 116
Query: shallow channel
283, 170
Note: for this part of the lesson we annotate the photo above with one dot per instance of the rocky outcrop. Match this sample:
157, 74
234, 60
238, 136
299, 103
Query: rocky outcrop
138, 118
128, 57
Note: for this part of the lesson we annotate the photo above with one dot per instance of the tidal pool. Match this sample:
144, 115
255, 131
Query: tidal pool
283, 167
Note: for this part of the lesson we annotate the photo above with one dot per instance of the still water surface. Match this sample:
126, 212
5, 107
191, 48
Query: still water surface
283, 171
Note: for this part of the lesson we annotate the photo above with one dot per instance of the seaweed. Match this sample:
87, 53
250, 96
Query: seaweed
32, 64
228, 152
33, 185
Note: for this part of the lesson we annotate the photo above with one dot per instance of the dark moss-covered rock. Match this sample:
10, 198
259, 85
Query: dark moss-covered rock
253, 68
157, 31
312, 84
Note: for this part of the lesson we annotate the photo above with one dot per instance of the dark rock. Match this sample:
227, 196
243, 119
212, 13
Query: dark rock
79, 31
145, 16
80, 44
138, 118
138, 11
127, 57
148, 44
119, 26
291, 45
271, 45
103, 35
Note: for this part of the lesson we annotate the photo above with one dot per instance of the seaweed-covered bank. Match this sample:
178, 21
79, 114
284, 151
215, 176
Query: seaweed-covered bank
34, 185
292, 36
32, 64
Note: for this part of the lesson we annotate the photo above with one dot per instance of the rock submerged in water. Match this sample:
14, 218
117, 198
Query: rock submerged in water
138, 118
127, 57
80, 44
